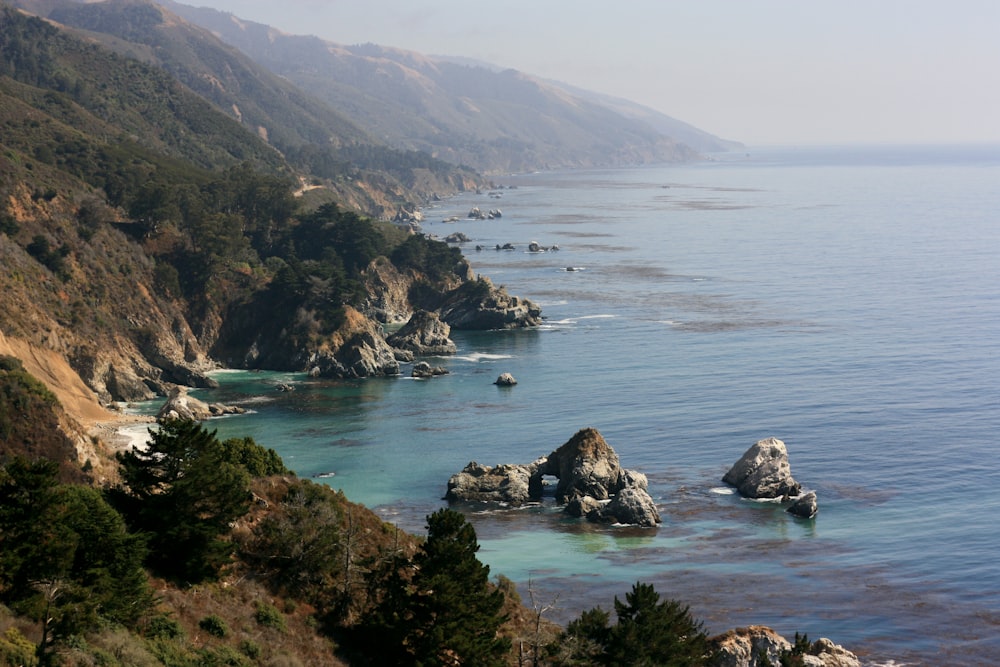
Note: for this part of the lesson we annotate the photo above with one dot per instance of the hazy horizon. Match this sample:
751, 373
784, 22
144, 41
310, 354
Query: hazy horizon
770, 72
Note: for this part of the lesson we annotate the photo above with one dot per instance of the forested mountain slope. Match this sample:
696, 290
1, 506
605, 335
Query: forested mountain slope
310, 135
145, 234
497, 121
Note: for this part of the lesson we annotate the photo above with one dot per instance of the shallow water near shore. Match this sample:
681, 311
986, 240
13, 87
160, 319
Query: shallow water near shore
845, 301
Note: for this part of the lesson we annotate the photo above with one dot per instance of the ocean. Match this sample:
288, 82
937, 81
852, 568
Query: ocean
844, 300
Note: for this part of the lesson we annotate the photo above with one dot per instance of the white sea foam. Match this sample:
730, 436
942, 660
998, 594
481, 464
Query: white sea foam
482, 356
576, 320
257, 399
137, 435
722, 491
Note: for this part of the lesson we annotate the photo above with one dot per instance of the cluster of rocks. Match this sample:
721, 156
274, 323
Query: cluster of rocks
180, 405
477, 213
757, 645
535, 247
489, 307
591, 483
763, 472
457, 237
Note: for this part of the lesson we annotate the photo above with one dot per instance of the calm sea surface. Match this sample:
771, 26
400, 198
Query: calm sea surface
846, 301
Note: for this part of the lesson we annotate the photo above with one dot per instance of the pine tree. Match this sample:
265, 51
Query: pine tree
66, 558
648, 633
184, 493
447, 613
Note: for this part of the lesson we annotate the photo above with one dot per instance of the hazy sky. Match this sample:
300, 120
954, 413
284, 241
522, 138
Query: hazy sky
758, 71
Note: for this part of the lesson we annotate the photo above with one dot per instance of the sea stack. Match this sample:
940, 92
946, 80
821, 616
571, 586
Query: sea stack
763, 472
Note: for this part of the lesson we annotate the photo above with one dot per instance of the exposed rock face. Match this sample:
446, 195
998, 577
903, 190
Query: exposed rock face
586, 465
424, 334
589, 477
744, 647
387, 292
479, 305
508, 484
181, 406
824, 653
805, 507
763, 472
631, 506
358, 350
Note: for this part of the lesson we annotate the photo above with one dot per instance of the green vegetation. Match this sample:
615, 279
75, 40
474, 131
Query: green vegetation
72, 573
439, 608
183, 493
29, 423
647, 633
67, 560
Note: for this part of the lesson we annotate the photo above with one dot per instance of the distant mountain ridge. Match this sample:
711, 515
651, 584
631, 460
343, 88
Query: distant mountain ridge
309, 136
493, 120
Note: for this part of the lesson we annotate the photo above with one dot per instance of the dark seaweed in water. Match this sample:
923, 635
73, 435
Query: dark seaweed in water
844, 304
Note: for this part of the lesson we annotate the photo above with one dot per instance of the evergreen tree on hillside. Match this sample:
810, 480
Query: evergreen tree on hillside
648, 633
66, 558
184, 493
446, 613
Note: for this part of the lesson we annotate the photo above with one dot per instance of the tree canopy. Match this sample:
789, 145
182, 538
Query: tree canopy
67, 559
439, 609
183, 492
648, 633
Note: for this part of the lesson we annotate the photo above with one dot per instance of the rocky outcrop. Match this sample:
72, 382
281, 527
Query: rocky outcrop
424, 334
746, 647
632, 506
763, 472
505, 380
805, 506
591, 483
585, 465
357, 350
423, 370
386, 292
180, 405
757, 645
479, 305
509, 484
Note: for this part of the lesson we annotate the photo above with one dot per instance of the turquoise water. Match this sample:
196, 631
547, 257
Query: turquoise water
846, 301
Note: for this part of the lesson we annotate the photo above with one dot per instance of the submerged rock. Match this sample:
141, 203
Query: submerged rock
763, 472
805, 506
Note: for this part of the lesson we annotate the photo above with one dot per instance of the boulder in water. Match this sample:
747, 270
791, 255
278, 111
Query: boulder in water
505, 380
763, 472
805, 506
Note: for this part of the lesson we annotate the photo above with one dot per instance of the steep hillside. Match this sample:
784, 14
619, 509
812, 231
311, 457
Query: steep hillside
494, 121
309, 135
146, 237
